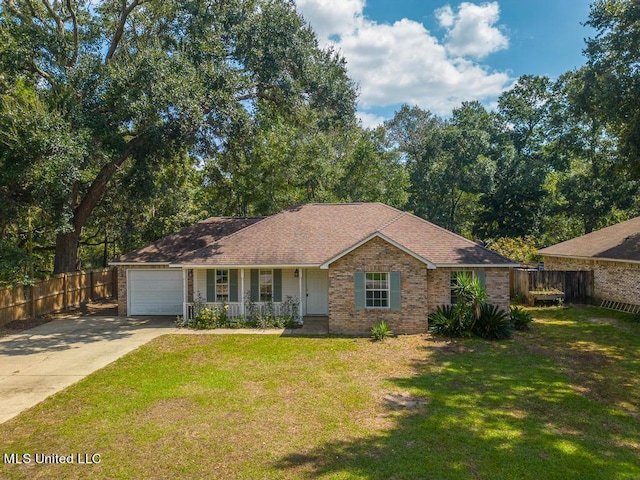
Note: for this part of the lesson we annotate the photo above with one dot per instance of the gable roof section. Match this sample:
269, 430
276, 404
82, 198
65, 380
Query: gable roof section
618, 242
188, 240
326, 264
318, 234
440, 246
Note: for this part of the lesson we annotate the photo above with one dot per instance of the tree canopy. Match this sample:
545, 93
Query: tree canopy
131, 86
123, 121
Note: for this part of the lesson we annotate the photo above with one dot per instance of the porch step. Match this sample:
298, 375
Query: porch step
313, 325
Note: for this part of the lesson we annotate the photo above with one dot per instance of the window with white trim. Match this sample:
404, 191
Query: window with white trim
222, 285
376, 290
266, 285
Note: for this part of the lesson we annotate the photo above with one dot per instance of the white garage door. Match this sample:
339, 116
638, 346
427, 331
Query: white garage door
155, 292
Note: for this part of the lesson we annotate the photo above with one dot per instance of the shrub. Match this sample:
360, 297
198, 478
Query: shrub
520, 318
492, 323
380, 331
206, 318
449, 320
521, 299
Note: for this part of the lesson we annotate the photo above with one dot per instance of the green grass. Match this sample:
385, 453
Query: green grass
561, 401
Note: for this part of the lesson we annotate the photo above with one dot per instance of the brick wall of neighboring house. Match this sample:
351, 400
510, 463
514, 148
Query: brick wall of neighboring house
378, 255
496, 285
616, 281
122, 284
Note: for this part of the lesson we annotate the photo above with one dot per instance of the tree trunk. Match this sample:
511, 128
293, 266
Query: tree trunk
66, 259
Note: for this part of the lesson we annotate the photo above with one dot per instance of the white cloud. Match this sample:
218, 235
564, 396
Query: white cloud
370, 120
331, 17
403, 62
446, 16
471, 31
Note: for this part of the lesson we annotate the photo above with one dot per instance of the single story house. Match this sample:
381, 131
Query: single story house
612, 253
354, 263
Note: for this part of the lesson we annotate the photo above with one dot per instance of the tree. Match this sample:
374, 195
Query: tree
141, 82
454, 168
512, 207
590, 185
611, 73
372, 171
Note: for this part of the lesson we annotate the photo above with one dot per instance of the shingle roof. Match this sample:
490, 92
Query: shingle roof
617, 242
315, 233
172, 247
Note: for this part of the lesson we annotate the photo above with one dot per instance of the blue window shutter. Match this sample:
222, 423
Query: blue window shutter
277, 285
255, 285
481, 275
233, 285
211, 285
359, 289
395, 291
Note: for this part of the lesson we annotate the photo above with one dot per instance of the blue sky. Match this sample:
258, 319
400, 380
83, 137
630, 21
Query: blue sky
436, 54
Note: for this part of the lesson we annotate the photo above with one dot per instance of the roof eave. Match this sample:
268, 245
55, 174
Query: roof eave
478, 265
230, 265
580, 257
167, 264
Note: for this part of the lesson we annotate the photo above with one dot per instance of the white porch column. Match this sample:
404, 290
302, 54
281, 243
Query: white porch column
300, 315
185, 292
244, 316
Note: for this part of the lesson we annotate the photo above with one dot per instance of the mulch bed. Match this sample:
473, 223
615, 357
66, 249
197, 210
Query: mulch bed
97, 308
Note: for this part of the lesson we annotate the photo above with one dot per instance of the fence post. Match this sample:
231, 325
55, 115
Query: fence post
32, 301
91, 286
65, 292
114, 282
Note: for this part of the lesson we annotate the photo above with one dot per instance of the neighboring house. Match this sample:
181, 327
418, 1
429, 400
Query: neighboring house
355, 263
613, 254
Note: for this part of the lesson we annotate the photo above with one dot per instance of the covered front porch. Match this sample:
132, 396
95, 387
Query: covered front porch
246, 292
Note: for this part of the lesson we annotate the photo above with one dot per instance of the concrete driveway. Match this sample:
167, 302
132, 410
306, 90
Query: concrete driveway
44, 360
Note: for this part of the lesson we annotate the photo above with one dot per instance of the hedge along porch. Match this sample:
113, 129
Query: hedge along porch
356, 263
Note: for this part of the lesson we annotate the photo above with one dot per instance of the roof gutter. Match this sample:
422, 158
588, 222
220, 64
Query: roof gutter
279, 265
576, 257
132, 264
478, 265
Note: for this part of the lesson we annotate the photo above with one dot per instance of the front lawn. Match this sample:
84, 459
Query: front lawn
559, 402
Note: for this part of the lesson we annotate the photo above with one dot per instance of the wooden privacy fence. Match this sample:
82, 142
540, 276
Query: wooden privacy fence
56, 294
576, 285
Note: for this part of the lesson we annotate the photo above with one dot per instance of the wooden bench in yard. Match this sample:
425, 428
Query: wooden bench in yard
547, 296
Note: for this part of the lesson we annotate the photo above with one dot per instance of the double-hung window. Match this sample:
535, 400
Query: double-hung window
377, 290
266, 285
218, 285
222, 285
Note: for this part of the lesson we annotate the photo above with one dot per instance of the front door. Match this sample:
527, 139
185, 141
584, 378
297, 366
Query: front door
317, 291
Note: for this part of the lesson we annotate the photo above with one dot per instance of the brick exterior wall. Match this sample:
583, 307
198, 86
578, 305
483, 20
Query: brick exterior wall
422, 290
122, 284
377, 256
496, 285
616, 281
